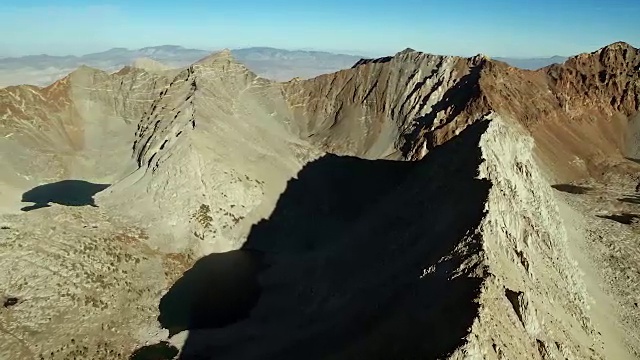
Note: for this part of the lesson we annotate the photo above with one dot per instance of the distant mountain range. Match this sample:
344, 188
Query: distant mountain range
272, 63
267, 62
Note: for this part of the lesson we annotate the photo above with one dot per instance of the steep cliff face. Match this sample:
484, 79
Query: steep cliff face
372, 109
534, 289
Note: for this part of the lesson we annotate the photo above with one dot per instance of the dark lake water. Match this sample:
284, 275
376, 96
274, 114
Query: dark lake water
219, 290
160, 351
65, 192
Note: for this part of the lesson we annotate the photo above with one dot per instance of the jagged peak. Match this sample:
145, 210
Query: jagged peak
365, 61
133, 70
86, 70
221, 61
405, 51
20, 87
482, 57
149, 64
616, 55
407, 54
224, 54
82, 72
127, 69
618, 45
85, 74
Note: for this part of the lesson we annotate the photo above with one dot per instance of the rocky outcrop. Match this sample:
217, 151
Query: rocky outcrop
213, 153
149, 65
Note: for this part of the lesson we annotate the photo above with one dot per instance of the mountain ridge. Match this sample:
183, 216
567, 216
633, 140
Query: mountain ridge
482, 79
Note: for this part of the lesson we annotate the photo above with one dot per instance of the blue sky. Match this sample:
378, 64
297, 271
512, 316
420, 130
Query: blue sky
519, 28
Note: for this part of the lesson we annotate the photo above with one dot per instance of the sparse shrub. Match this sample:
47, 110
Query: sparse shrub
203, 216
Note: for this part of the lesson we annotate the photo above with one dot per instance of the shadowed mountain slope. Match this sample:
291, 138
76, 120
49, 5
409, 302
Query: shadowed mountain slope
331, 261
381, 259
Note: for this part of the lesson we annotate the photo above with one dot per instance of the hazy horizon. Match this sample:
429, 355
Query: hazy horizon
498, 28
212, 49
333, 51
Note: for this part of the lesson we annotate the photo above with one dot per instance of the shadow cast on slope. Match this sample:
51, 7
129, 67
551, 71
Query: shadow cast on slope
631, 199
572, 189
637, 161
65, 192
624, 218
359, 259
365, 61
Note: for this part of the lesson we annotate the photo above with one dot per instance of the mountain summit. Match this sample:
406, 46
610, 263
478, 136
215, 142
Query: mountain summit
224, 54
149, 64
